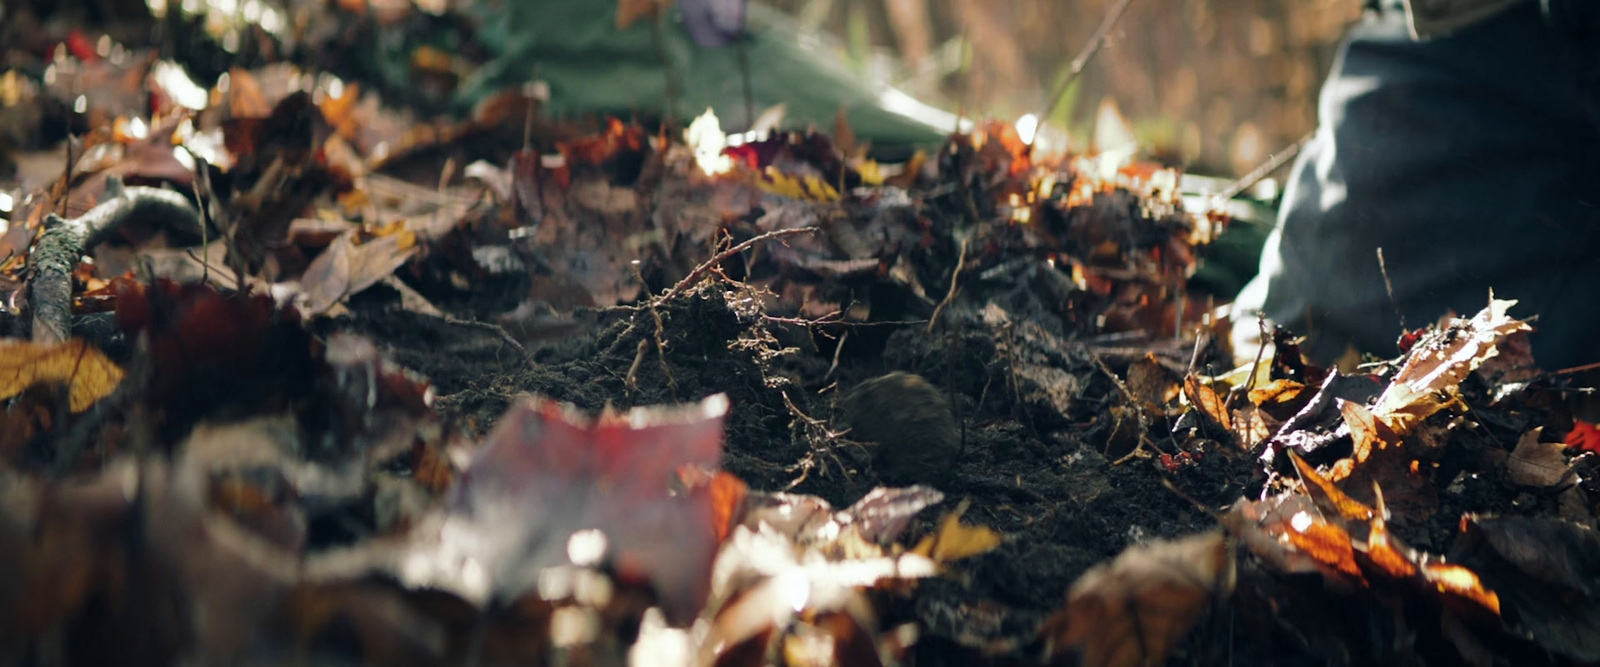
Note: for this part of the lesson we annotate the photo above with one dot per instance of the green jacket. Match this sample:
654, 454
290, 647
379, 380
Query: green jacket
592, 67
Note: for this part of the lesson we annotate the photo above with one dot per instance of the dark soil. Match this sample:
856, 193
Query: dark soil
1038, 476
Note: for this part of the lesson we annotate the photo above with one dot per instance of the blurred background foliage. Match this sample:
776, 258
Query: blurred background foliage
1215, 86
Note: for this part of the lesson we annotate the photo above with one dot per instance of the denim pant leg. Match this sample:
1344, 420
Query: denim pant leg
1473, 161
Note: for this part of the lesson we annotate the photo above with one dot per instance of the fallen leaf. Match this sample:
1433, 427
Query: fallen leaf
1539, 464
348, 266
955, 540
1584, 436
1206, 399
547, 473
1440, 361
1134, 610
87, 372
1327, 496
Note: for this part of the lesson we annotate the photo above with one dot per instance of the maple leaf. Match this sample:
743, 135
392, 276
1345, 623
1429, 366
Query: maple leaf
547, 474
88, 374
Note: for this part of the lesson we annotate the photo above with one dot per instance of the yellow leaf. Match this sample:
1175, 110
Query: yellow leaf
955, 541
809, 188
89, 375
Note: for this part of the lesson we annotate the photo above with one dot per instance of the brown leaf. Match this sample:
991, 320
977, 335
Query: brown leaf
1135, 609
89, 375
1152, 383
347, 267
1540, 464
1204, 397
1441, 361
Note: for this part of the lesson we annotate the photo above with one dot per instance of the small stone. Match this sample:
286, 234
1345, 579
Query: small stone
914, 434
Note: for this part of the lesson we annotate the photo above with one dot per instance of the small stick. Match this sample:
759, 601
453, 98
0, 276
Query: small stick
1082, 60
1383, 268
1265, 169
949, 296
701, 270
65, 240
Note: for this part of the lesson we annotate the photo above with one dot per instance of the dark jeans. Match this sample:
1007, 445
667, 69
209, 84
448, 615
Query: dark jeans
1473, 161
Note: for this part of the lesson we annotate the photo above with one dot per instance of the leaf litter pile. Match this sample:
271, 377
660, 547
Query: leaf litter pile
290, 376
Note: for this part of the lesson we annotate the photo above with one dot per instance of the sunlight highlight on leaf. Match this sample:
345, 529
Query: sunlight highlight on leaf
89, 375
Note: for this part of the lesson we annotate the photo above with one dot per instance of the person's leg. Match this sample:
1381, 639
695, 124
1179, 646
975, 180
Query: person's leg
1471, 160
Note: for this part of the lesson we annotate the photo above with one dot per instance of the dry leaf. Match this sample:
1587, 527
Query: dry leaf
1204, 397
1540, 464
346, 268
1441, 361
89, 375
1133, 610
955, 541
1152, 383
1327, 496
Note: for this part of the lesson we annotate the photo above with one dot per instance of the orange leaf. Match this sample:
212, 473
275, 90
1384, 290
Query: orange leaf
1462, 582
1368, 432
89, 375
1207, 399
1329, 545
1327, 496
1382, 550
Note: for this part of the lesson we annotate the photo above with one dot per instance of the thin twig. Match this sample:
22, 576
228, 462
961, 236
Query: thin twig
661, 343
836, 350
701, 270
65, 240
1265, 169
1383, 268
1082, 60
955, 276
492, 328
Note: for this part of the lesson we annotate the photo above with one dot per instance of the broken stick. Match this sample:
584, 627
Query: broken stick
64, 241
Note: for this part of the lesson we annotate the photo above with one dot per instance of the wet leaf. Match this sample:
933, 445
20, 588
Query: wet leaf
86, 371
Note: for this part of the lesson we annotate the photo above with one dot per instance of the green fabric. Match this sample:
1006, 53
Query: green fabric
592, 67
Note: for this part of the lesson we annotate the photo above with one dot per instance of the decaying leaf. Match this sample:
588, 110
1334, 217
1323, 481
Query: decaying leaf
1135, 609
86, 371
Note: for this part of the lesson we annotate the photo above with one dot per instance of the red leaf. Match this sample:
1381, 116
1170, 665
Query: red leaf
1584, 436
547, 472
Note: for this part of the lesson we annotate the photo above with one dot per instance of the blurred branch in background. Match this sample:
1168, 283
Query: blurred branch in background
1216, 85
